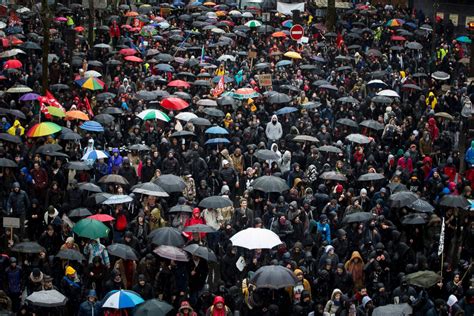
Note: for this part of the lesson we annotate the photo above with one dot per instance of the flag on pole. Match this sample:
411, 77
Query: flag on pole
43, 108
219, 89
52, 101
88, 107
441, 239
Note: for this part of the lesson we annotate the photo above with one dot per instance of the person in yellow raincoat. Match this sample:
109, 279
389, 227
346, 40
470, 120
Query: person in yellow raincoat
431, 100
228, 120
16, 129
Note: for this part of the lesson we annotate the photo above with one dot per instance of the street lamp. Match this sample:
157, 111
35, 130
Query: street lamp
470, 29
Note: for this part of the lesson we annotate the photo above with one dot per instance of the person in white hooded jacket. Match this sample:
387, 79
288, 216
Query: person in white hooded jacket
273, 131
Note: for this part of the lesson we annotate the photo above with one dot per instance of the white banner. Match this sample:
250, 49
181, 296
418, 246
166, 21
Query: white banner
286, 8
441, 239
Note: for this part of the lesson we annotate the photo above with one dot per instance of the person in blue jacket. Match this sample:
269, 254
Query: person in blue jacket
469, 157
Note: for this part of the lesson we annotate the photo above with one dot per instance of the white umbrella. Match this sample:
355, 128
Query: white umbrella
226, 58
247, 15
255, 238
94, 155
218, 30
48, 298
377, 83
118, 199
92, 73
388, 93
440, 75
186, 116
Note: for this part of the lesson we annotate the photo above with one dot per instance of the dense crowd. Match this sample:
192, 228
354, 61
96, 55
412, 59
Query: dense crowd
157, 170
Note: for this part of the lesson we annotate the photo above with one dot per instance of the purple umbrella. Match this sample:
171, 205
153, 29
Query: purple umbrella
29, 97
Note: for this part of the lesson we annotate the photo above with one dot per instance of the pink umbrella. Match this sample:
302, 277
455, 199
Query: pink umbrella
60, 19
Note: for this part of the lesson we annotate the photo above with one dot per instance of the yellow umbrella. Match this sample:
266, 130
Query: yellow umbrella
292, 55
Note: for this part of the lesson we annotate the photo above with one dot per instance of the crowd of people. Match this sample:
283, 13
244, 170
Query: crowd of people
146, 150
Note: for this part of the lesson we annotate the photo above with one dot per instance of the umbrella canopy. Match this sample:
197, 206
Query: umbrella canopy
266, 154
118, 199
286, 110
216, 130
181, 208
413, 219
305, 138
77, 165
153, 114
122, 299
153, 307
91, 228
255, 238
170, 183
175, 104
201, 252
372, 124
421, 206
372, 176
273, 277
113, 178
333, 176
28, 247
70, 254
10, 138
7, 163
91, 83
393, 310
269, 184
455, 201
94, 155
330, 149
358, 217
48, 298
402, 199
104, 218
150, 188
440, 75
215, 202
122, 251
43, 129
388, 93
186, 116
199, 228
168, 236
92, 126
358, 138
79, 212
424, 279
172, 253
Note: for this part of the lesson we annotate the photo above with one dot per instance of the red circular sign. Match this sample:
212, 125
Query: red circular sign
296, 32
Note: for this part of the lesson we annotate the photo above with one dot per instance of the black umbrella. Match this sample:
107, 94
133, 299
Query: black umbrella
269, 184
79, 212
455, 201
28, 247
90, 187
167, 236
266, 154
153, 307
171, 183
213, 112
393, 310
201, 252
358, 138
181, 208
149, 188
402, 199
372, 176
104, 118
347, 122
215, 202
48, 148
112, 110
382, 99
10, 138
70, 136
279, 98
70, 254
7, 163
305, 138
358, 217
105, 96
395, 187
122, 251
424, 279
139, 147
349, 99
226, 100
372, 124
413, 219
422, 206
113, 178
199, 228
333, 176
77, 165
274, 277
330, 149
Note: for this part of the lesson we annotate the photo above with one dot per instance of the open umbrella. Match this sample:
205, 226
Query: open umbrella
122, 299
371, 176
118, 199
215, 202
454, 201
216, 130
372, 124
393, 310
269, 184
47, 298
90, 228
10, 138
330, 149
70, 254
43, 129
201, 252
424, 279
358, 217
266, 154
167, 236
79, 212
440, 75
279, 98
153, 307
104, 218
92, 126
113, 178
358, 138
150, 188
77, 165
255, 238
199, 228
170, 183
174, 104
414, 219
94, 155
122, 251
273, 277
402, 199
28, 247
7, 163
333, 176
305, 138
172, 253
178, 208
422, 206
388, 93
153, 114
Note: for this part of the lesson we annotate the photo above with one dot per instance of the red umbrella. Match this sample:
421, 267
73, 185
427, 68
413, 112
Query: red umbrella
398, 38
12, 64
134, 59
127, 51
179, 84
102, 217
79, 29
174, 104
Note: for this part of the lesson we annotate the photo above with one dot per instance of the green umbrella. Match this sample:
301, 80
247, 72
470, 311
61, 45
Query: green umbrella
91, 228
424, 279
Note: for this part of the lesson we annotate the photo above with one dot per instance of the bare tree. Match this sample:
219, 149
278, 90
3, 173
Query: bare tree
331, 15
46, 21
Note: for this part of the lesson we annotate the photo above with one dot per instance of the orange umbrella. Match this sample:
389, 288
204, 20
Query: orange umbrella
221, 13
131, 14
79, 29
279, 34
209, 4
134, 59
76, 115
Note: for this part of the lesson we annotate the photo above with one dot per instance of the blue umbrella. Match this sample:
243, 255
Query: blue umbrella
319, 59
411, 24
283, 63
215, 141
464, 39
216, 130
122, 299
164, 67
92, 126
286, 110
227, 79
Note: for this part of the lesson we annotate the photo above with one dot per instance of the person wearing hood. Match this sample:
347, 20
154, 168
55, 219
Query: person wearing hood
90, 307
333, 304
195, 219
35, 281
229, 272
301, 285
284, 163
355, 266
115, 161
90, 148
17, 204
16, 129
367, 306
185, 309
71, 288
431, 100
433, 129
51, 217
219, 308
128, 172
453, 305
273, 130
469, 156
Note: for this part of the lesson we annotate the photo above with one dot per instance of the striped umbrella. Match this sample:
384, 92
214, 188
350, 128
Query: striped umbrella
152, 114
90, 83
43, 129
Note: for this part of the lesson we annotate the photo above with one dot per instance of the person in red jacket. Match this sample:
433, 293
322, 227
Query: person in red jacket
114, 33
194, 220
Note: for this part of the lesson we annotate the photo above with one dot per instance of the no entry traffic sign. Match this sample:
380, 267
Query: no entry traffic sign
296, 32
